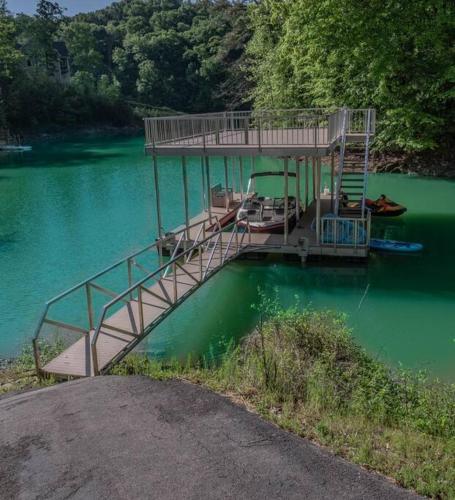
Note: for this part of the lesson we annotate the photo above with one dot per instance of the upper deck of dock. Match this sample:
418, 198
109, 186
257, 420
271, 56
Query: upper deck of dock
291, 132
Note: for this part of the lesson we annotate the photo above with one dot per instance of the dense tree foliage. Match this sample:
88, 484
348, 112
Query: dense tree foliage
176, 54
394, 55
207, 55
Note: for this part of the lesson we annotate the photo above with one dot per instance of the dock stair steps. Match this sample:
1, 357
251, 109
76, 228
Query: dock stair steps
352, 172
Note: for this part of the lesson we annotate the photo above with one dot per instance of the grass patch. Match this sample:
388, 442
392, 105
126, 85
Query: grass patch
21, 375
304, 372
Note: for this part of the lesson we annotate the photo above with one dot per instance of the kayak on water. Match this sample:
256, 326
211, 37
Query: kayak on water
395, 246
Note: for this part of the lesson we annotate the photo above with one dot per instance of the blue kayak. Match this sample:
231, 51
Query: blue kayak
395, 246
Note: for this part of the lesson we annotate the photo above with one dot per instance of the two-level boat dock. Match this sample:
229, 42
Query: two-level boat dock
151, 283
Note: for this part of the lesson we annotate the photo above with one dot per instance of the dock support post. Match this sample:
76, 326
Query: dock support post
313, 168
157, 195
286, 199
209, 192
253, 170
307, 180
234, 187
226, 183
203, 184
317, 174
297, 189
332, 177
185, 197
241, 176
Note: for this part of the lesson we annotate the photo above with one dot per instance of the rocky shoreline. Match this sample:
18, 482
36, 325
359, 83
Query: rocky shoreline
424, 164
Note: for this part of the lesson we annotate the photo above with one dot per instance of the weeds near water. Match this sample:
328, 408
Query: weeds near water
304, 371
21, 373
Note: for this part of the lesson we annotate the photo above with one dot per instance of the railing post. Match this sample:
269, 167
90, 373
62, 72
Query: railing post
200, 263
174, 280
88, 294
259, 132
246, 130
221, 247
36, 355
96, 370
141, 309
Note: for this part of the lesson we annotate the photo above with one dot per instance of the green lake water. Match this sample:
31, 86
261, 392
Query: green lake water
69, 209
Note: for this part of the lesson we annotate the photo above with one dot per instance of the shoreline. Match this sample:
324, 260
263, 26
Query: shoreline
62, 134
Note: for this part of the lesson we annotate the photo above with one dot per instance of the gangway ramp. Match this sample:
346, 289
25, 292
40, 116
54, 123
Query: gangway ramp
131, 315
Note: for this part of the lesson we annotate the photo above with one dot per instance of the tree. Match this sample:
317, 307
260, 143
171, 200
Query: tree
47, 22
395, 56
81, 42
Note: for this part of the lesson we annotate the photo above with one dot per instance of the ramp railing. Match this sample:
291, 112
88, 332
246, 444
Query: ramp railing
212, 246
72, 314
197, 260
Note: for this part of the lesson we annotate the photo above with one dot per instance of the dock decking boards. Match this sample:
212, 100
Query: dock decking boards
77, 360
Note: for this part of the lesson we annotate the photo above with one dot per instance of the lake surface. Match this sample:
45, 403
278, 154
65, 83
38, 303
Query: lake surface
70, 208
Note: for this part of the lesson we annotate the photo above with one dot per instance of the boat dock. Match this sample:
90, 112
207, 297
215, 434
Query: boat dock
153, 282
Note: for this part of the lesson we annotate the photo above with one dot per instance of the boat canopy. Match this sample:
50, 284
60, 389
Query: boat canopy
265, 174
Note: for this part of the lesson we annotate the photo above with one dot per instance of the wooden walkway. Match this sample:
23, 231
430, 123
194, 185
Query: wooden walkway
199, 251
119, 332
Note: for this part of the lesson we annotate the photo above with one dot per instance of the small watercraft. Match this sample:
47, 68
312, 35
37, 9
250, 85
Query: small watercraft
264, 214
395, 246
384, 207
10, 148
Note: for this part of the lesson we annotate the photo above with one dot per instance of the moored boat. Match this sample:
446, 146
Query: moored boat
266, 214
384, 207
11, 148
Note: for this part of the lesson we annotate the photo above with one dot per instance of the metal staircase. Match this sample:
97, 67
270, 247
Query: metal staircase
353, 169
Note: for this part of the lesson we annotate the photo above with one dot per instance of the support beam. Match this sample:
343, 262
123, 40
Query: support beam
241, 176
317, 183
286, 200
157, 196
297, 189
226, 183
253, 170
307, 182
234, 187
313, 169
204, 201
185, 197
209, 191
332, 177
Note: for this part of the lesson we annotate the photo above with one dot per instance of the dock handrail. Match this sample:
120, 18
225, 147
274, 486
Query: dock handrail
89, 283
306, 126
137, 288
346, 231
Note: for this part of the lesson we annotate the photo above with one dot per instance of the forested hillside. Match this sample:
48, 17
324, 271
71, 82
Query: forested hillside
206, 55
186, 56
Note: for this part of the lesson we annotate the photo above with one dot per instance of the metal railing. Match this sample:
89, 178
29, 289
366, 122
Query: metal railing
346, 232
211, 245
352, 121
88, 287
136, 289
312, 126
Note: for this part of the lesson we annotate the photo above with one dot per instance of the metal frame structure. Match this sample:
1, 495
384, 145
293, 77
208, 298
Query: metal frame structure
206, 243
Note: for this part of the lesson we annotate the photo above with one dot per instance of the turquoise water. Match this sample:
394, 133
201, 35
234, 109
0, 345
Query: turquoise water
69, 209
